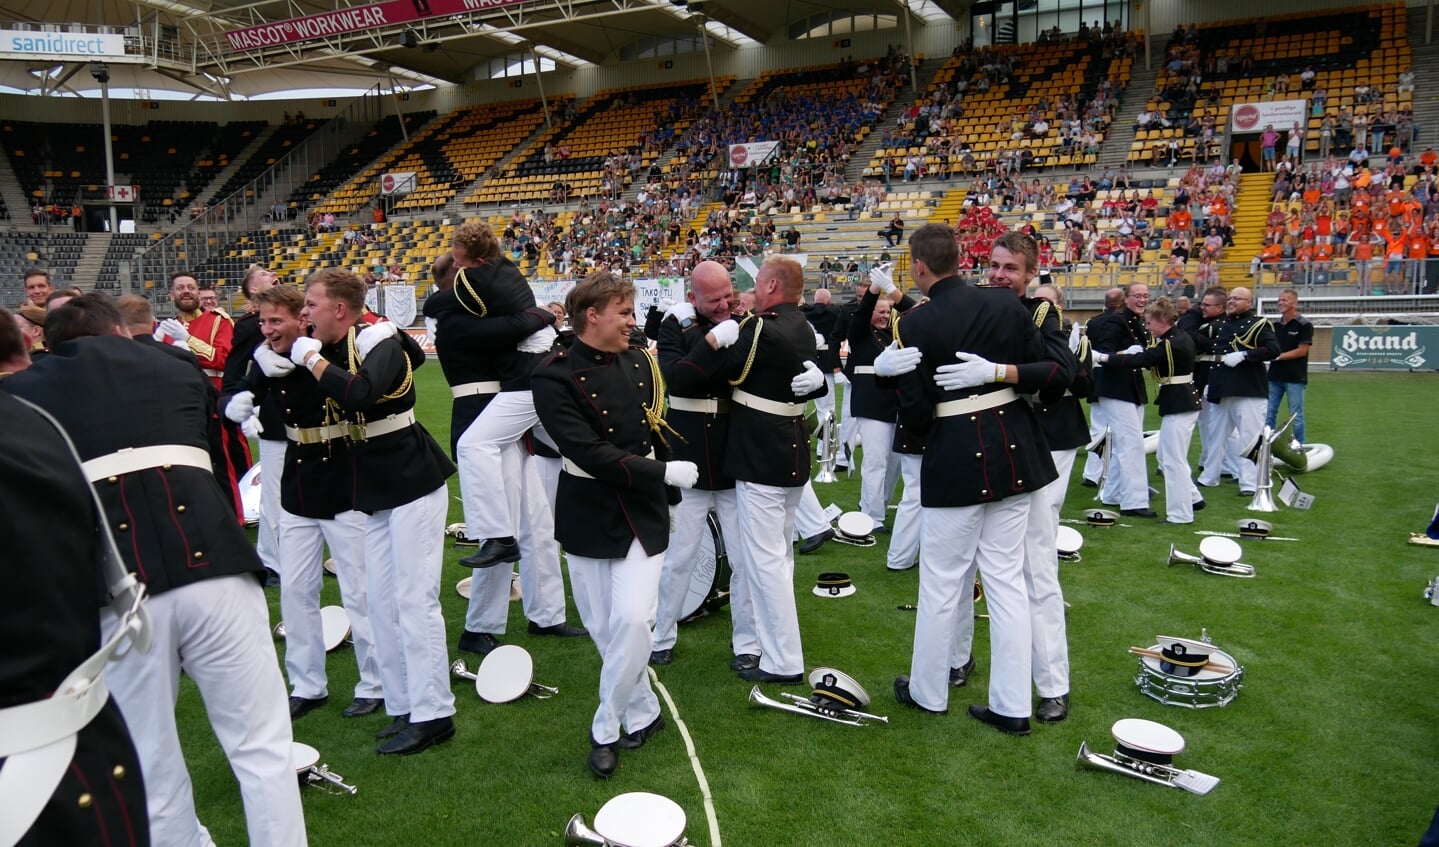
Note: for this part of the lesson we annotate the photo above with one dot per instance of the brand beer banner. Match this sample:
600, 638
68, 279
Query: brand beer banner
1281, 114
1394, 348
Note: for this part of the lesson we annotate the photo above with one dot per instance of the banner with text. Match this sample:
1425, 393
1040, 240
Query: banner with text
398, 182
1391, 348
1280, 114
63, 46
749, 155
353, 20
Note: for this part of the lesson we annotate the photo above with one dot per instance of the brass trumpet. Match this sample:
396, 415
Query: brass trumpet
1234, 569
579, 834
1192, 781
801, 706
537, 691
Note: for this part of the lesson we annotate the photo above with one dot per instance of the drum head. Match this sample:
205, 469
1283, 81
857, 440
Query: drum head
641, 819
1151, 442
462, 587
1218, 657
711, 573
336, 625
831, 678
1319, 456
250, 494
1068, 541
1218, 550
855, 524
505, 674
303, 756
1148, 736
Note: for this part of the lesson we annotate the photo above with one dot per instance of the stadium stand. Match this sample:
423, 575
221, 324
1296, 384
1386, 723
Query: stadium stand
357, 157
286, 136
229, 142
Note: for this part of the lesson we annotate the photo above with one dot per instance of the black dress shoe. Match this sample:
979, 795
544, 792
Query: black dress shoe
418, 736
559, 630
1199, 507
744, 662
495, 551
479, 643
301, 706
814, 542
395, 727
1139, 513
604, 759
1089, 483
1052, 709
362, 706
755, 674
661, 657
635, 740
959, 677
1013, 726
902, 696
1243, 493
272, 579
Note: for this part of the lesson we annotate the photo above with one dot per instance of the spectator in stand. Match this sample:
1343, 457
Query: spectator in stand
1267, 140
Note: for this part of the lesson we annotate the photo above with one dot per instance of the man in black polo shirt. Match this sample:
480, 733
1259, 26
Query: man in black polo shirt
1289, 372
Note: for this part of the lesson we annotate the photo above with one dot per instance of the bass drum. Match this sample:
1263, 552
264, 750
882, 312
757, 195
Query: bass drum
709, 586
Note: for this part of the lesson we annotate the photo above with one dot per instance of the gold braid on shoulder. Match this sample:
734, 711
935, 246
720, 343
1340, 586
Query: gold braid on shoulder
1042, 312
656, 408
461, 279
894, 327
334, 413
753, 348
1250, 337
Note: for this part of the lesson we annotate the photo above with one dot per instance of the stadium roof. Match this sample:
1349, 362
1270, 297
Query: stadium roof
183, 46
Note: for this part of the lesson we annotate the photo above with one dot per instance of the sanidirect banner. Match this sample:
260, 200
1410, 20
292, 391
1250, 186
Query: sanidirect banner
1281, 114
749, 155
65, 46
1390, 348
355, 19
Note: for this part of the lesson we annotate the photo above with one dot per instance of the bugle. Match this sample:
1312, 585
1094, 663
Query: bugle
535, 690
806, 703
758, 698
1192, 781
579, 834
1210, 565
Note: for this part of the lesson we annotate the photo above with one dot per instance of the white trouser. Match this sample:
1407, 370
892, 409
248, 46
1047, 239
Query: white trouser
847, 425
218, 632
403, 556
880, 470
690, 527
541, 583
301, 543
1244, 416
766, 525
826, 403
267, 534
904, 536
616, 599
549, 470
1126, 484
1093, 462
1050, 648
1180, 493
1212, 441
953, 541
503, 422
809, 519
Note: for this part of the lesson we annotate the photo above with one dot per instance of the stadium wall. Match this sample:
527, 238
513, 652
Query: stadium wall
1166, 14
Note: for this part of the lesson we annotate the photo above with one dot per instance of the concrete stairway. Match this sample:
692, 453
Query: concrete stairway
1251, 207
92, 259
1115, 150
236, 162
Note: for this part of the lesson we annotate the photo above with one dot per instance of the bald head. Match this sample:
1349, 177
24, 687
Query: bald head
711, 291
822, 298
1240, 301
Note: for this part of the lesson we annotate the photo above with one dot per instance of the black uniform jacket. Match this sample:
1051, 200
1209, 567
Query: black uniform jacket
1171, 355
1112, 332
771, 351
173, 527
474, 349
989, 455
219, 459
1201, 332
319, 479
601, 409
907, 440
1061, 417
827, 321
400, 467
242, 351
494, 289
702, 436
1253, 335
49, 626
869, 399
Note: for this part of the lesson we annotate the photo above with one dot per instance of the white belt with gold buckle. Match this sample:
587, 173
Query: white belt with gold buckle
977, 403
575, 470
710, 406
132, 459
773, 407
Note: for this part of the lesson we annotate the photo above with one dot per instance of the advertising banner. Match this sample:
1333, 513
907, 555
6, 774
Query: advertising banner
1391, 348
749, 155
398, 182
1280, 114
353, 20
63, 46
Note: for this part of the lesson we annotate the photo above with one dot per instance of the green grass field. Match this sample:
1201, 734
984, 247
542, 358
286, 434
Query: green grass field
1334, 739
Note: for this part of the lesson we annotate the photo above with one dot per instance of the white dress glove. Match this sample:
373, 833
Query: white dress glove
272, 364
432, 328
302, 347
251, 426
681, 312
174, 329
820, 340
682, 474
1100, 358
807, 381
539, 342
970, 371
1234, 360
725, 333
881, 279
1074, 336
666, 304
895, 360
241, 407
1134, 350
370, 337
841, 379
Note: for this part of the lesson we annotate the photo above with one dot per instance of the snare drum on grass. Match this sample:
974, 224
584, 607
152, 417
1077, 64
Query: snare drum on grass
1189, 673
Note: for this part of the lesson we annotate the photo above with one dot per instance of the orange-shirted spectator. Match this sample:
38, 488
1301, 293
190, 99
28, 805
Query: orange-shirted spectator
1181, 220
1395, 199
1394, 252
1311, 194
1270, 254
1428, 159
1361, 247
1274, 223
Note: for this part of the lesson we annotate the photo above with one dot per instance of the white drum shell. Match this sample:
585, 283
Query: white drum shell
1206, 689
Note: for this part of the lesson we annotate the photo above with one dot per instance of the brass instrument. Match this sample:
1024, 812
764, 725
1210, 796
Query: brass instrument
636, 818
828, 433
1287, 449
811, 710
1192, 781
579, 834
1210, 564
535, 690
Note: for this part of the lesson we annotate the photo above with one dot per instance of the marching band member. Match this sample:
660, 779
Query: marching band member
984, 455
316, 481
769, 359
1094, 460
1244, 341
1172, 358
874, 407
473, 352
139, 420
828, 325
699, 411
1200, 322
399, 474
601, 401
1121, 402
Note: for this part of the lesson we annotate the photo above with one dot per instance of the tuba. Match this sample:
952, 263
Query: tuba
1288, 450
828, 433
1263, 457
